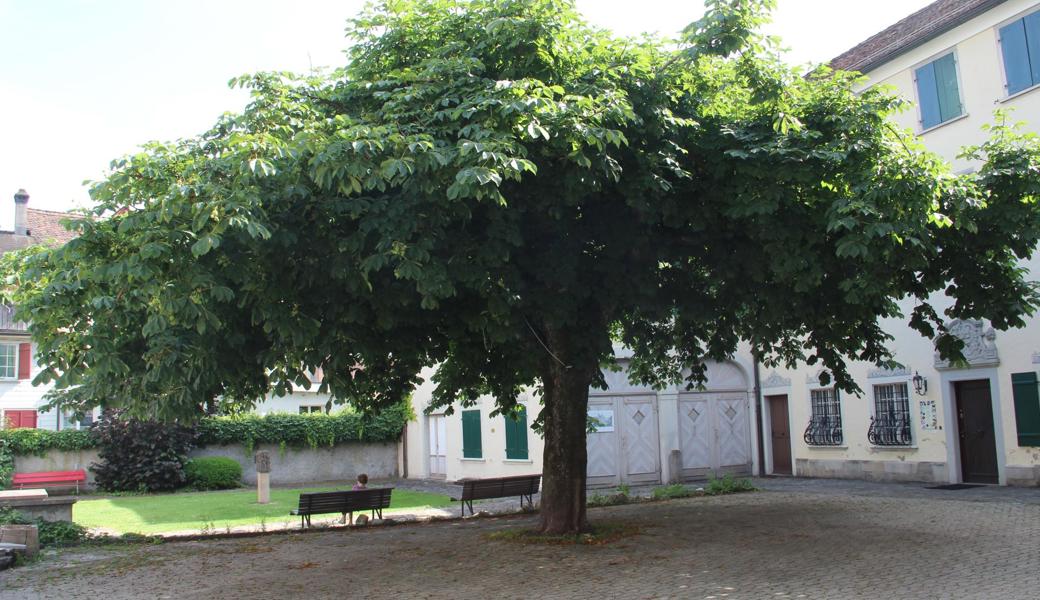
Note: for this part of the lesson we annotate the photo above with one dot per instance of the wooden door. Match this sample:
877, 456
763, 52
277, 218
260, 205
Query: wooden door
20, 419
780, 435
696, 436
438, 452
603, 446
732, 434
975, 430
641, 447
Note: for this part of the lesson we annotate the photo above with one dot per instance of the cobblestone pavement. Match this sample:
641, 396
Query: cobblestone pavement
793, 543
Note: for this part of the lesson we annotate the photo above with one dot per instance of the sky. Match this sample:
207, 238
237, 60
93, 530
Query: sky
83, 82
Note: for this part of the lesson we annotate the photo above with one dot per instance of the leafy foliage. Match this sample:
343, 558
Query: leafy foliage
728, 485
53, 534
502, 192
298, 431
6, 464
213, 473
38, 441
674, 490
140, 455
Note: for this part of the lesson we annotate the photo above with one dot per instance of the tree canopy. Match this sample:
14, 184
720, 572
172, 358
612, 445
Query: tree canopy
498, 189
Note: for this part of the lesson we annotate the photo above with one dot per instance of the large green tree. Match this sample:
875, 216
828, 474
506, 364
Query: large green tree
498, 190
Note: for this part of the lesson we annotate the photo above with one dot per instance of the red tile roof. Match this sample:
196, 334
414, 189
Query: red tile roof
44, 227
926, 24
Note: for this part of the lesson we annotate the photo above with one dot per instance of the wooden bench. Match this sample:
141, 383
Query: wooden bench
345, 503
49, 479
524, 486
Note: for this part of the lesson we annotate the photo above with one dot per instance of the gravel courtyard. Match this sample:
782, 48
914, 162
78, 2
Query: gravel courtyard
791, 540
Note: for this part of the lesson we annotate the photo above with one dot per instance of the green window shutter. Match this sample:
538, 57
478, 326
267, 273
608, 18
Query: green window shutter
946, 86
937, 91
516, 435
1027, 408
471, 444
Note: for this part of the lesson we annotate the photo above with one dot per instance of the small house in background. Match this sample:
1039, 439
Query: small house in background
20, 401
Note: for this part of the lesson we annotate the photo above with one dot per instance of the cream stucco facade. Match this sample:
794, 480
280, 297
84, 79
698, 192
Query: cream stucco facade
935, 452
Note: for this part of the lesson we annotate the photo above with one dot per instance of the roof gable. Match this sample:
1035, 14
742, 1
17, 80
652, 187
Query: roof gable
926, 24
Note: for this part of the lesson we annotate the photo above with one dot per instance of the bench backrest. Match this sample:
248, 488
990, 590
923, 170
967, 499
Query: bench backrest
50, 477
500, 487
345, 501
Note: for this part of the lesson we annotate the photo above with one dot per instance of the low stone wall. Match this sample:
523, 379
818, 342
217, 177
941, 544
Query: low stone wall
873, 470
295, 465
304, 465
1024, 476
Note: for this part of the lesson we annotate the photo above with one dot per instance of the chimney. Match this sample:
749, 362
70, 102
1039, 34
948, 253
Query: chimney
21, 203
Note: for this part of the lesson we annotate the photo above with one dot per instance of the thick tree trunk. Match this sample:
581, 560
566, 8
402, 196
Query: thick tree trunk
565, 401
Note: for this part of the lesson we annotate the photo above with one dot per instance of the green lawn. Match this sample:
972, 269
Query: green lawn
216, 510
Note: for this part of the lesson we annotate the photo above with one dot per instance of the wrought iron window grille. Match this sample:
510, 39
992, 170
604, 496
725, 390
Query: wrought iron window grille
890, 431
824, 430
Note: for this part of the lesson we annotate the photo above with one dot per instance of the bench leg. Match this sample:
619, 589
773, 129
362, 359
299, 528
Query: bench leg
351, 517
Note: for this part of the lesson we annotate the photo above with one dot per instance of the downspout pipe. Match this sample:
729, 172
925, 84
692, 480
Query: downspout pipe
758, 415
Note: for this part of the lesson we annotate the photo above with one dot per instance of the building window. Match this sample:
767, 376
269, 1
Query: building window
8, 361
471, 443
308, 409
938, 94
825, 423
1020, 46
516, 435
890, 425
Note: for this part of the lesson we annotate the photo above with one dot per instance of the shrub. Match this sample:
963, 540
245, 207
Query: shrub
301, 431
37, 441
140, 455
52, 533
728, 485
675, 490
6, 465
213, 473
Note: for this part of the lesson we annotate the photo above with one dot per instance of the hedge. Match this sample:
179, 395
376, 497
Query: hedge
294, 431
300, 431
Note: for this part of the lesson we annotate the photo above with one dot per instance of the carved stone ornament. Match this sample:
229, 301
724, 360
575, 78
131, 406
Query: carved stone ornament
879, 372
980, 350
775, 380
263, 461
815, 378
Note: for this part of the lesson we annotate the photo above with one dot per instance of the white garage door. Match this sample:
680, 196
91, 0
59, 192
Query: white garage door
714, 434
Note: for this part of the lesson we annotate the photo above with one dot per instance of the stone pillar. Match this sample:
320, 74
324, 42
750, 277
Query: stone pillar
263, 476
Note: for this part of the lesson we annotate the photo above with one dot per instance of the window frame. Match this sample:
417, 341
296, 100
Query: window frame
14, 361
839, 413
905, 383
1008, 95
921, 129
310, 409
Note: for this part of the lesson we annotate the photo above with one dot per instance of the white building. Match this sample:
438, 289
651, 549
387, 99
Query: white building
956, 61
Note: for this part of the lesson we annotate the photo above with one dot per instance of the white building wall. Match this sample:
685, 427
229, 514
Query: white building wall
934, 454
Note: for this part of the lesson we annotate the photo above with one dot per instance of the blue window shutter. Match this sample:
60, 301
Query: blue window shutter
471, 442
1016, 56
1032, 27
927, 96
946, 85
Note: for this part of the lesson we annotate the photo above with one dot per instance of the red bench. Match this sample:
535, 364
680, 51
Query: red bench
48, 479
